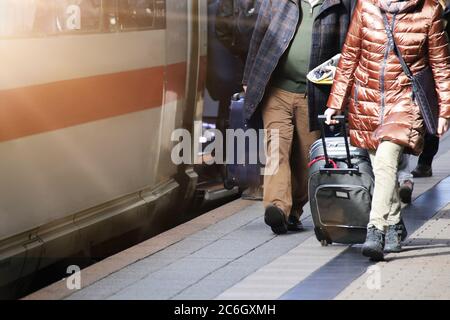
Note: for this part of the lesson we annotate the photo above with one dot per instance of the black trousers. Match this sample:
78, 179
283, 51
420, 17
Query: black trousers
430, 149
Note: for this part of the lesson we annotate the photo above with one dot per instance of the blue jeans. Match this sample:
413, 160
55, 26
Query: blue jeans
404, 173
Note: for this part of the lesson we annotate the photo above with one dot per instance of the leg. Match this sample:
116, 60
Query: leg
277, 115
431, 148
303, 139
386, 205
386, 202
396, 230
403, 169
405, 179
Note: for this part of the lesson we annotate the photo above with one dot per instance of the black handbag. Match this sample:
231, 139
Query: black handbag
423, 86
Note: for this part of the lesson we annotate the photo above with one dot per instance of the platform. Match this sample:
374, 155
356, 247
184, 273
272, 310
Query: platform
229, 253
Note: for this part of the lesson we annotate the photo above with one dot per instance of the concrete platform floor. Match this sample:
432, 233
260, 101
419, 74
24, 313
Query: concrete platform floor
229, 253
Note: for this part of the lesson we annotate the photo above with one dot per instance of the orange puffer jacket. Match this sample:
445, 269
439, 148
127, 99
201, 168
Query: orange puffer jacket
370, 78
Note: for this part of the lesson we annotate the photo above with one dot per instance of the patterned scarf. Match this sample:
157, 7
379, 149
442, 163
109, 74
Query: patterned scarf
396, 6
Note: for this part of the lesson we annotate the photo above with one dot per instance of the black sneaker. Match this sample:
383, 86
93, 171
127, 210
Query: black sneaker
393, 239
374, 245
276, 219
422, 171
294, 224
406, 190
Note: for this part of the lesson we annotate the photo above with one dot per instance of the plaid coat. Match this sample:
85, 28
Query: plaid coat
274, 30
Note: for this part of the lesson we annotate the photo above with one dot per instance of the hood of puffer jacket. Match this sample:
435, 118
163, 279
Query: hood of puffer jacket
396, 6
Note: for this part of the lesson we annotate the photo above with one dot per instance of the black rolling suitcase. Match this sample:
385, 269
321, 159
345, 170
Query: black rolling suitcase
241, 171
341, 183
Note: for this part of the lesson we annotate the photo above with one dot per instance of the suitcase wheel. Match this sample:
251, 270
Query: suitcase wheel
322, 237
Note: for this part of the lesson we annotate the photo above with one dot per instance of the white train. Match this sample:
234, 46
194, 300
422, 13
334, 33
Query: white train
90, 92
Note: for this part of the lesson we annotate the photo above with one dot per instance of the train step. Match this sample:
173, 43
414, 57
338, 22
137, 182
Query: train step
214, 191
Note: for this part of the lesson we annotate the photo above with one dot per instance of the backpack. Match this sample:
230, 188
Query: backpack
235, 23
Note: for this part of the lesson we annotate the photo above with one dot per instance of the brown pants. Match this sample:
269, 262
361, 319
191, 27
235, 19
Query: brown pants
288, 187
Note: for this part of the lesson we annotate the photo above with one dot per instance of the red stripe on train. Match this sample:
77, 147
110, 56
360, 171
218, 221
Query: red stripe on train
42, 108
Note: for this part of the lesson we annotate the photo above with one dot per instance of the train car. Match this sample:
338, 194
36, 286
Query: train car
90, 93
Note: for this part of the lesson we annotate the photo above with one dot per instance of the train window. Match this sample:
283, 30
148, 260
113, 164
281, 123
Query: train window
77, 15
91, 15
141, 14
52, 17
17, 17
110, 20
47, 17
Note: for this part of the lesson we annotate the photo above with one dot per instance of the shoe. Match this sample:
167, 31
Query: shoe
406, 190
393, 239
374, 245
276, 219
294, 224
403, 232
422, 171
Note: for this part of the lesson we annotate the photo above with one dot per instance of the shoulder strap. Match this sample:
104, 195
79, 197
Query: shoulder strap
392, 43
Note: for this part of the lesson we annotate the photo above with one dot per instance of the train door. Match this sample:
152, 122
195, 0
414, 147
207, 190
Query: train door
223, 78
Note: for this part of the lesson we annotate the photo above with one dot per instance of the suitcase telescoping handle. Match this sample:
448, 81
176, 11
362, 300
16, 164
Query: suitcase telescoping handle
341, 120
238, 96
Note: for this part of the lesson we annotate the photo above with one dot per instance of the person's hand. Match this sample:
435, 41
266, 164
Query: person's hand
329, 113
442, 126
245, 88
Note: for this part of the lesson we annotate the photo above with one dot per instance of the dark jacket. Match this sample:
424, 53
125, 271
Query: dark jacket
235, 23
224, 70
274, 30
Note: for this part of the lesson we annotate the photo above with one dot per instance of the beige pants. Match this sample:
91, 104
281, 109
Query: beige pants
288, 113
386, 205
